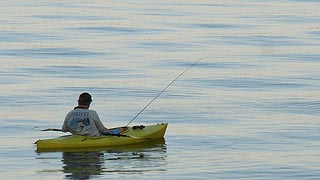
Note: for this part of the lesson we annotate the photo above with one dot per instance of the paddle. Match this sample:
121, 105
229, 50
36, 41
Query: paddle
106, 134
51, 129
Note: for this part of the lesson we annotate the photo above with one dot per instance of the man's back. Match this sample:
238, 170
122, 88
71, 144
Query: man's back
83, 121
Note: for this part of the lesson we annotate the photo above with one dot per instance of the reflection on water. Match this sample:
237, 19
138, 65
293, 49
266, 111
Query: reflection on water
131, 159
82, 165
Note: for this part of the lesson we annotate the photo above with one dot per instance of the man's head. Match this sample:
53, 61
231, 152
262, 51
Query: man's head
85, 99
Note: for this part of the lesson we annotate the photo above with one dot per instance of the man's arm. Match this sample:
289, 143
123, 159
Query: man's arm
99, 124
65, 126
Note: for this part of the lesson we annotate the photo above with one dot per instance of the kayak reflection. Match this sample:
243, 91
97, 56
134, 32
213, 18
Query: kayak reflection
82, 165
131, 159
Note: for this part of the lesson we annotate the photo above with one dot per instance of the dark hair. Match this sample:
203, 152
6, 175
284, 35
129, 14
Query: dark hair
84, 99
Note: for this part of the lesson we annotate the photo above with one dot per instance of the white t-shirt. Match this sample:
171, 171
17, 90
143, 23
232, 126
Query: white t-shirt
84, 122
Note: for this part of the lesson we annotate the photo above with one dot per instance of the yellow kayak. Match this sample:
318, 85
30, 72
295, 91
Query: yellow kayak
132, 135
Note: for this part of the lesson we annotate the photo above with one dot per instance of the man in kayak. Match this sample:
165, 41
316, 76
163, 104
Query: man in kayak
82, 121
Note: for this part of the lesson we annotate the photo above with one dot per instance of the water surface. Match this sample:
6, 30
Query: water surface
248, 110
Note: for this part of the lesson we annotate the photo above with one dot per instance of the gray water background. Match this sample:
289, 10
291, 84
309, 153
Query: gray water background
249, 110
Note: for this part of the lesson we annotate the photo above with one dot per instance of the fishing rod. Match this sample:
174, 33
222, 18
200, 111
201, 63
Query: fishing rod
163, 91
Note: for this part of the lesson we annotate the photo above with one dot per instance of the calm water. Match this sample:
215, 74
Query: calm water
249, 110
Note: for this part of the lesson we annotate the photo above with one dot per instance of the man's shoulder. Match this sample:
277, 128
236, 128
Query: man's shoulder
90, 111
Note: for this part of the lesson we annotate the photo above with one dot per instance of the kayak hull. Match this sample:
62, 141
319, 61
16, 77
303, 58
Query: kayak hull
130, 136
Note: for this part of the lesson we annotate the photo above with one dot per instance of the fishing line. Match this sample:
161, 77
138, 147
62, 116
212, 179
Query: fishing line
163, 91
